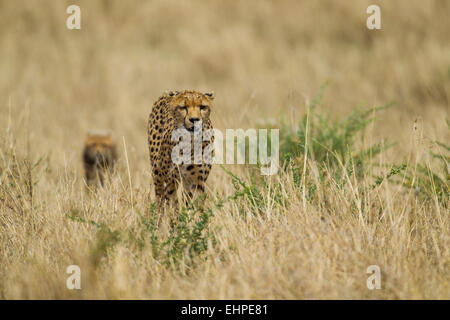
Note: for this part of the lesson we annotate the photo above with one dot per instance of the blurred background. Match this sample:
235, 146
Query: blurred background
263, 60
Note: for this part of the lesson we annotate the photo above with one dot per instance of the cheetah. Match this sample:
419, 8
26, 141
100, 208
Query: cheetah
188, 110
99, 156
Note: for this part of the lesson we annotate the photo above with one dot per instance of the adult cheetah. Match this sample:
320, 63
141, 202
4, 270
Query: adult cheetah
186, 110
99, 156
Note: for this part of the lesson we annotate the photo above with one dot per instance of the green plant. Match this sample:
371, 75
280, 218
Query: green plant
251, 194
331, 144
189, 237
105, 241
431, 180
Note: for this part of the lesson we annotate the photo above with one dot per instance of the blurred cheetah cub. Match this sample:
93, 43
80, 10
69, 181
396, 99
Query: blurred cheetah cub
99, 156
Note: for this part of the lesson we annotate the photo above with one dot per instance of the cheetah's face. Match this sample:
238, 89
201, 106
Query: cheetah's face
189, 108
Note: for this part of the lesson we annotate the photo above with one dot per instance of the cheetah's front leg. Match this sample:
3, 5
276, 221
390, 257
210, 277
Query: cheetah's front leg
194, 192
170, 191
159, 190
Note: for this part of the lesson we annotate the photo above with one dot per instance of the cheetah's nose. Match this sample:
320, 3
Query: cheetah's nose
193, 120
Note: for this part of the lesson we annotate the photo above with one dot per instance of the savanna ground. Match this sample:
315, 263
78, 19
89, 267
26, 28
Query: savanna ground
350, 192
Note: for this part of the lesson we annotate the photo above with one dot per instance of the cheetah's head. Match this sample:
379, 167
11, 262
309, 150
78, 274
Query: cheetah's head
189, 107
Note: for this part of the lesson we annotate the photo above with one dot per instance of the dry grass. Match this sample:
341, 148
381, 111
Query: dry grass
263, 60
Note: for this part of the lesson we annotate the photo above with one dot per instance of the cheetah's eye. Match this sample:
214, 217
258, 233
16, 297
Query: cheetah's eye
203, 107
182, 108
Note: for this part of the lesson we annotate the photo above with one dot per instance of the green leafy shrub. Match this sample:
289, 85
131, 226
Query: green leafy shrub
332, 144
189, 238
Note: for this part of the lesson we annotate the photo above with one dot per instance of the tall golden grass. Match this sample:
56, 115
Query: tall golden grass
264, 60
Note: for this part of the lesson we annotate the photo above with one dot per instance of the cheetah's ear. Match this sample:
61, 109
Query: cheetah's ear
210, 95
171, 93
